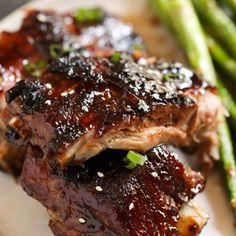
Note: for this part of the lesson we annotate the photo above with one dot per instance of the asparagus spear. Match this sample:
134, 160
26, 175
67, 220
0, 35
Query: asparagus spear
228, 102
222, 59
228, 163
218, 23
231, 4
180, 16
228, 65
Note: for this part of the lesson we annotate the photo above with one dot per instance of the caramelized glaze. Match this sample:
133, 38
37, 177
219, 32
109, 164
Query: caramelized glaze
78, 94
41, 29
104, 195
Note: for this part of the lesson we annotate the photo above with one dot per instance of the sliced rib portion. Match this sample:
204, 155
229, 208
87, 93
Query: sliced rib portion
105, 198
81, 106
25, 53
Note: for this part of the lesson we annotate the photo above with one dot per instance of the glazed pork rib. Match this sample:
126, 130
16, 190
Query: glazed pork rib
24, 54
105, 198
81, 106
91, 99
41, 30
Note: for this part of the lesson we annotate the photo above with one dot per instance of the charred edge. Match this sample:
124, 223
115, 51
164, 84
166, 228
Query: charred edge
15, 91
13, 136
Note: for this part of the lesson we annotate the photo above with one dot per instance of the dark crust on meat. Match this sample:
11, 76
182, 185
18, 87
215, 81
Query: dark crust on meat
31, 44
71, 194
40, 29
99, 94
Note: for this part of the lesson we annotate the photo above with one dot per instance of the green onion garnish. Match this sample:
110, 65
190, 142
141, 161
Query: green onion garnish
89, 15
171, 75
137, 47
133, 159
57, 50
35, 68
167, 76
115, 57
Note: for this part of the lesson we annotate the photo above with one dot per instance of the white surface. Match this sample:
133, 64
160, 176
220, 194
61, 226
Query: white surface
22, 216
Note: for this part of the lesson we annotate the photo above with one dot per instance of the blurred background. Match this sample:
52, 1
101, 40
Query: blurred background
7, 6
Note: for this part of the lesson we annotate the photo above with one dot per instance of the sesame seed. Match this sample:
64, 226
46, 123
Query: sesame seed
156, 96
42, 18
154, 174
142, 61
131, 206
97, 93
85, 108
98, 188
48, 102
82, 220
71, 91
100, 174
48, 86
177, 64
68, 20
64, 94
25, 62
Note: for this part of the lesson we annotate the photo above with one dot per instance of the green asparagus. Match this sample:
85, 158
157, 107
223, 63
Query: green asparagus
180, 17
231, 4
228, 163
228, 102
228, 66
217, 23
222, 59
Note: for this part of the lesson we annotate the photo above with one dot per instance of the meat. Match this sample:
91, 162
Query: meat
81, 106
105, 198
42, 29
77, 89
192, 220
25, 53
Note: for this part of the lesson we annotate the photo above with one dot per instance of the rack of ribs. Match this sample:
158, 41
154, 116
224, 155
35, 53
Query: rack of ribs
79, 115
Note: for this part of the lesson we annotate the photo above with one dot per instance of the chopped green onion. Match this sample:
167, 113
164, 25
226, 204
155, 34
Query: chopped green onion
89, 15
166, 77
116, 57
133, 159
35, 68
137, 47
170, 75
57, 50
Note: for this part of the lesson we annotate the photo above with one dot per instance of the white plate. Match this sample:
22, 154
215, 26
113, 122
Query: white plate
22, 216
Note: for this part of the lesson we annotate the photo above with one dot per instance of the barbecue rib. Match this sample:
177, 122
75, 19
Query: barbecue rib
91, 97
105, 198
81, 106
24, 54
42, 29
